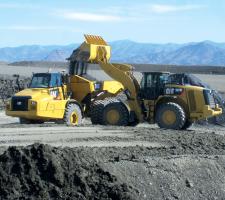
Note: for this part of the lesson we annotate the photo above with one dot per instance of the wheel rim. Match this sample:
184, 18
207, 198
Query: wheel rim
169, 117
74, 118
112, 116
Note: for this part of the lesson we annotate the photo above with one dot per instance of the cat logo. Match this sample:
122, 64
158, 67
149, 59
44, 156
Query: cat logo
169, 90
54, 93
173, 91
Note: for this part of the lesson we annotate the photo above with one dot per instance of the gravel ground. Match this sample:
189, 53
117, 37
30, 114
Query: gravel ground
142, 162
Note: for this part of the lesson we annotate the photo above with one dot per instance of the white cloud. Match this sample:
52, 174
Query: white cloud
123, 14
83, 16
162, 8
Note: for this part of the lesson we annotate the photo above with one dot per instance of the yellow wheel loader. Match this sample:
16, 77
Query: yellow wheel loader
173, 101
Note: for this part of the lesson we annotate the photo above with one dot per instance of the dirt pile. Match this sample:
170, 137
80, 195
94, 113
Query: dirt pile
187, 165
44, 172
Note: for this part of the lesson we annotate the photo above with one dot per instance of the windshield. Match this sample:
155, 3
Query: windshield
153, 80
40, 81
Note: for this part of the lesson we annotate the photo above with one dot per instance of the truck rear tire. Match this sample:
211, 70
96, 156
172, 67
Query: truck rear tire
73, 115
110, 111
170, 116
97, 111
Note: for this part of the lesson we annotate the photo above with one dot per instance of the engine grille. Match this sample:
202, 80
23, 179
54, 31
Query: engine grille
209, 98
20, 103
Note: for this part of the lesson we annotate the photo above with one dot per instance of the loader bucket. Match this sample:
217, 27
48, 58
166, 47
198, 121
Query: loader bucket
94, 49
99, 49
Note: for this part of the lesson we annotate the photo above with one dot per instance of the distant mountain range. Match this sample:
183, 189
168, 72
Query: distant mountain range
195, 53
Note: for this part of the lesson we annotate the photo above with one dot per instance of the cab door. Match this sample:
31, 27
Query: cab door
152, 86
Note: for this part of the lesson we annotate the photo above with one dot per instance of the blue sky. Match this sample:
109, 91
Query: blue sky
47, 22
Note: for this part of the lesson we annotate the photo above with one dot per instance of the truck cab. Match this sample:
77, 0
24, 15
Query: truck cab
45, 98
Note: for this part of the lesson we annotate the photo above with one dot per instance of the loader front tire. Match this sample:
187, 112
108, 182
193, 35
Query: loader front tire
115, 113
73, 115
170, 116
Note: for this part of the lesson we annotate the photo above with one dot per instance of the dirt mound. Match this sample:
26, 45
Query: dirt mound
44, 172
189, 165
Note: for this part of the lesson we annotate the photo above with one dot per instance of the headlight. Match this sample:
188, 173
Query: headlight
33, 105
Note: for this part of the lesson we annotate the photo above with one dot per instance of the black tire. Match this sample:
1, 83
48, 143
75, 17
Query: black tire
187, 125
179, 114
100, 108
97, 111
73, 115
122, 118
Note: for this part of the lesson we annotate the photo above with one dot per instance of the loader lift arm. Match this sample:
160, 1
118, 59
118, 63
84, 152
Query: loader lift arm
96, 50
123, 74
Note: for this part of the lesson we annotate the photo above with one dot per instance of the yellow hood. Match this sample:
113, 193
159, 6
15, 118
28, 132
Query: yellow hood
35, 93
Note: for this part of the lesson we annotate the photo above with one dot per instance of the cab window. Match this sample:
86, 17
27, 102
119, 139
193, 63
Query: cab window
143, 82
55, 80
40, 81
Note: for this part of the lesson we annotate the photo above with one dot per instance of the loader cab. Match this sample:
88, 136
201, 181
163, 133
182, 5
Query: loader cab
46, 80
152, 85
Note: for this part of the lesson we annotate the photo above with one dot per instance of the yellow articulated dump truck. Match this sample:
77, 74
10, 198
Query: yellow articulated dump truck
45, 99
61, 97
173, 101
